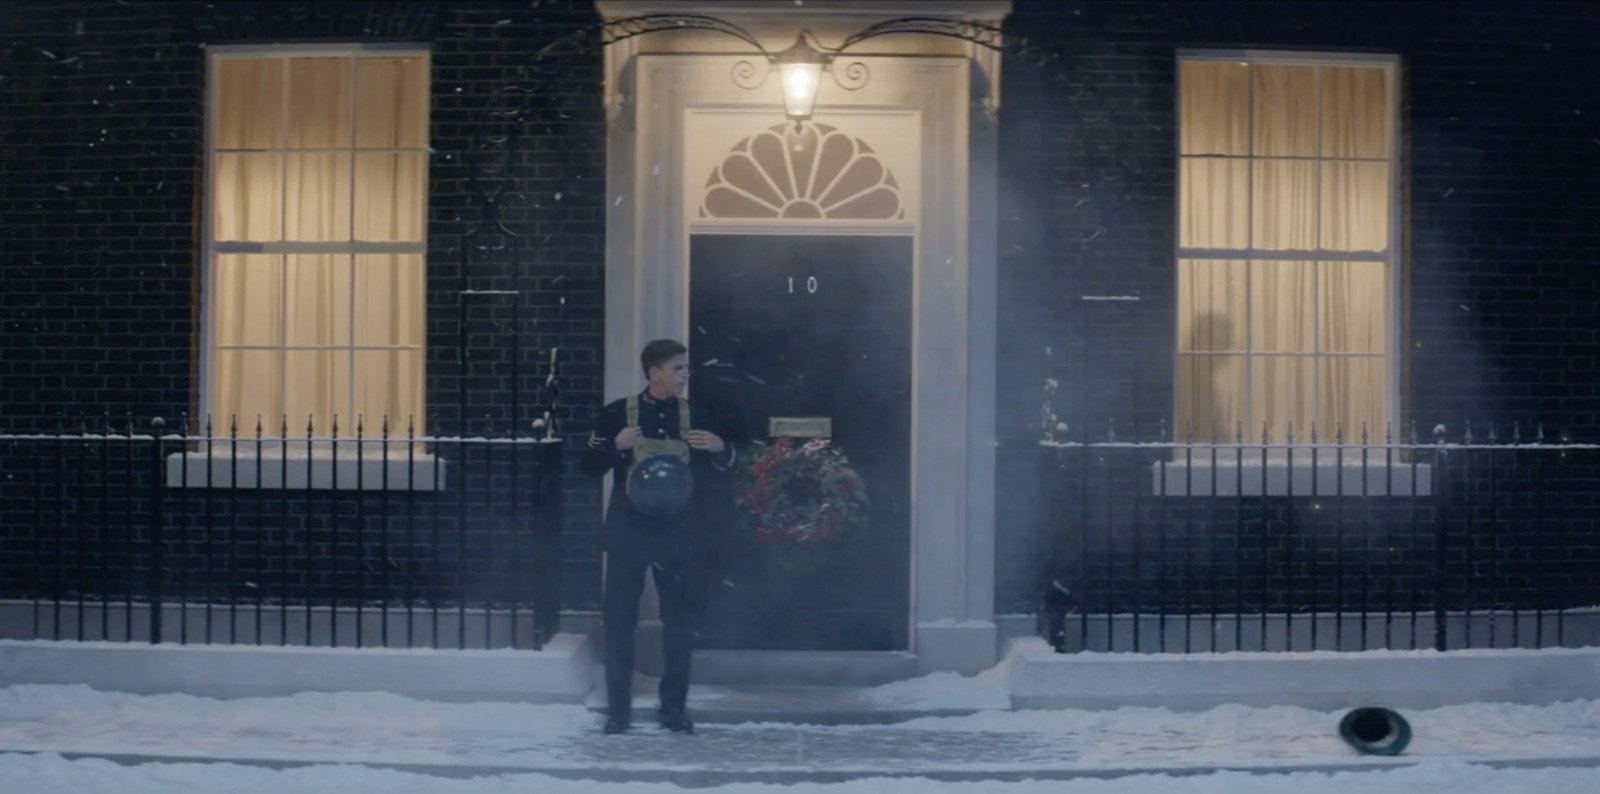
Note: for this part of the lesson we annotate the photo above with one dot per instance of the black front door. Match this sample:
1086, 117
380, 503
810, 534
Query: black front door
809, 326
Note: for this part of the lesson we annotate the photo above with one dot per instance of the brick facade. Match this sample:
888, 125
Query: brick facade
100, 147
1498, 137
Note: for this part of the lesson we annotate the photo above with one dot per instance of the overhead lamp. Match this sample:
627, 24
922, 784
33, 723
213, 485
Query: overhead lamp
800, 71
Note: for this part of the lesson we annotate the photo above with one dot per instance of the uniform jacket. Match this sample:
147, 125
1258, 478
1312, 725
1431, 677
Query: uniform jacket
627, 531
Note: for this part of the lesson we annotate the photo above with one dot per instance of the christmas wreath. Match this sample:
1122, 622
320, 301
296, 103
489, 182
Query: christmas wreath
803, 497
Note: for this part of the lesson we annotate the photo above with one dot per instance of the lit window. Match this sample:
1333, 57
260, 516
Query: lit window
1286, 252
315, 239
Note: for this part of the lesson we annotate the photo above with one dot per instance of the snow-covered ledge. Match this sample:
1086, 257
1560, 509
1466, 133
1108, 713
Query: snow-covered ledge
1327, 477
302, 465
561, 672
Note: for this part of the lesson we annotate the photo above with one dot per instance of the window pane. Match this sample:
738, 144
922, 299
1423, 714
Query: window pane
390, 197
247, 198
388, 383
1354, 311
1285, 111
250, 103
318, 300
319, 103
1355, 206
248, 384
1214, 108
389, 300
318, 208
1282, 307
1214, 203
1211, 305
1352, 393
1282, 390
247, 300
1284, 205
392, 108
318, 389
1355, 112
1211, 396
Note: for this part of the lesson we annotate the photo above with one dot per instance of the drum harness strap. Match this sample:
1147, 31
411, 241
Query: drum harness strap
646, 447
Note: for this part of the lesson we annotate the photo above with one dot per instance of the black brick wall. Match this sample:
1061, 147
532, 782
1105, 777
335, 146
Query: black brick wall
1501, 139
100, 142
100, 147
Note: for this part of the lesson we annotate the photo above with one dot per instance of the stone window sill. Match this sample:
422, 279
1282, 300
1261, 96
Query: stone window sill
1224, 478
316, 471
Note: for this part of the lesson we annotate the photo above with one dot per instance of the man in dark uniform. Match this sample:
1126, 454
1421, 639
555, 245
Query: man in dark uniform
656, 421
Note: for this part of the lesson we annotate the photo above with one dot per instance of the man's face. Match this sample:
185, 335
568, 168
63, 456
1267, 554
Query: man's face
674, 374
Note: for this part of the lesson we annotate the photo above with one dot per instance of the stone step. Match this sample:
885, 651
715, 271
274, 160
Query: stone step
792, 705
718, 667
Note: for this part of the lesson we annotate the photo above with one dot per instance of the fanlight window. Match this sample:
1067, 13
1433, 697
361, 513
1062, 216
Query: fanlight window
816, 172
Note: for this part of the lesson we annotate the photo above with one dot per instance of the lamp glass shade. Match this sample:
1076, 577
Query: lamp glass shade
800, 81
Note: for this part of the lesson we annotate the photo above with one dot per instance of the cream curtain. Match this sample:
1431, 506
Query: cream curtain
1284, 171
317, 158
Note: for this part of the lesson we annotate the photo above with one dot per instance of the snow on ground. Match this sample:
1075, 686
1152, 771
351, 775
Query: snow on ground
49, 774
990, 689
503, 742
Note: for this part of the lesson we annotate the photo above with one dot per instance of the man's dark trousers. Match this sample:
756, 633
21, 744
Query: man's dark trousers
624, 585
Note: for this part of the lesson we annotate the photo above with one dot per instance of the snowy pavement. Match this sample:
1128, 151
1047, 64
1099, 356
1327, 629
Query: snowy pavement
385, 742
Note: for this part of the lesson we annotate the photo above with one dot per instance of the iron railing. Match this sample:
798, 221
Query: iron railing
387, 538
1338, 544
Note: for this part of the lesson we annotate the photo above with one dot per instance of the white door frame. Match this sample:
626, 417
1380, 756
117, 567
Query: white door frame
953, 323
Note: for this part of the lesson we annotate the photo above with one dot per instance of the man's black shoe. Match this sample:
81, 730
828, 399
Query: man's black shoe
616, 725
676, 722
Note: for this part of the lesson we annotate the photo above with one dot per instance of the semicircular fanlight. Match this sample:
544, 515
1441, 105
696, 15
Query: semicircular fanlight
815, 172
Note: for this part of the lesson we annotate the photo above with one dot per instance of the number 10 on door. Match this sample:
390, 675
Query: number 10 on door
811, 285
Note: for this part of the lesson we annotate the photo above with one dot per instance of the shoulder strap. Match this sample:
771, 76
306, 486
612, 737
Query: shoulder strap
633, 410
683, 419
